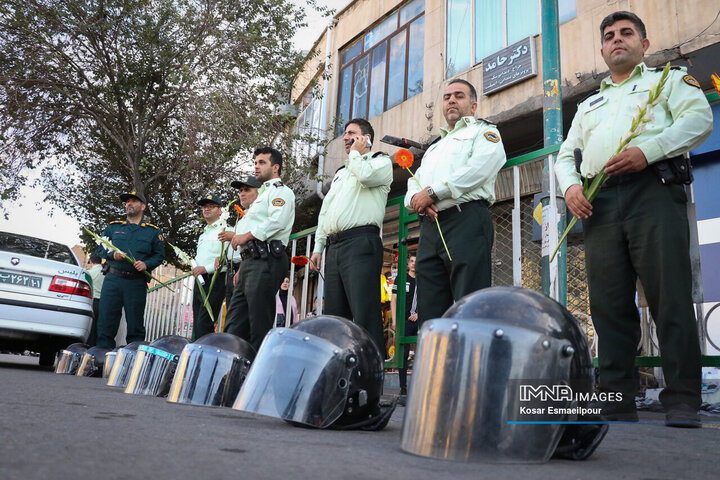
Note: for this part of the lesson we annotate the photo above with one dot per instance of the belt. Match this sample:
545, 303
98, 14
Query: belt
245, 254
125, 274
352, 233
456, 210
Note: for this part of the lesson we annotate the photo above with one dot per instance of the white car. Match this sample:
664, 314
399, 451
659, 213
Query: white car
45, 296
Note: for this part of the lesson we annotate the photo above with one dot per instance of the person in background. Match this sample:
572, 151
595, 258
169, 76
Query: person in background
281, 300
409, 313
97, 276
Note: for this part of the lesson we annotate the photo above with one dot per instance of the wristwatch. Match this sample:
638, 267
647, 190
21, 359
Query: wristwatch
432, 194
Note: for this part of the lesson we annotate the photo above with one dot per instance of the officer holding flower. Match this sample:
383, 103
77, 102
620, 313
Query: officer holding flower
637, 225
208, 249
125, 285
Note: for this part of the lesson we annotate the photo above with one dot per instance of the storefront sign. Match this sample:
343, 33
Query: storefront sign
509, 66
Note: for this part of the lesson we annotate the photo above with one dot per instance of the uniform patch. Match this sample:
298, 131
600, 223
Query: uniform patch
690, 80
160, 237
492, 137
278, 202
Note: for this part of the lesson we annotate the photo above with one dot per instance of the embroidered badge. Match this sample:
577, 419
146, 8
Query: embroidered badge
160, 237
690, 80
492, 137
595, 101
278, 202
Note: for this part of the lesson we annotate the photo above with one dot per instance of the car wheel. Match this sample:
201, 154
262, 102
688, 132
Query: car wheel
47, 357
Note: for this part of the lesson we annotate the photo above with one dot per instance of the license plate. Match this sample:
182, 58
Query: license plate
20, 279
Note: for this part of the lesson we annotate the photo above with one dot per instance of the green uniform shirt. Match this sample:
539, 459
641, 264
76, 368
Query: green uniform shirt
680, 122
97, 279
272, 214
209, 247
142, 241
462, 166
358, 195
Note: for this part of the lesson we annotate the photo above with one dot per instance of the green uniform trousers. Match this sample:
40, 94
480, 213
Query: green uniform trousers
469, 236
352, 283
202, 324
117, 294
640, 229
251, 313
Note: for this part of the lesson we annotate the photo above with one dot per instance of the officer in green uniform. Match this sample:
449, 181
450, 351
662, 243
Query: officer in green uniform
637, 225
457, 176
262, 235
209, 248
349, 225
125, 285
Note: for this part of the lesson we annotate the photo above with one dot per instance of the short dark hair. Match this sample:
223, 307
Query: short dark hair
365, 127
411, 255
473, 92
623, 15
95, 259
275, 156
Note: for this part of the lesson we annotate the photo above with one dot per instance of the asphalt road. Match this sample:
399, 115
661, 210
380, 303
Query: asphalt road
66, 427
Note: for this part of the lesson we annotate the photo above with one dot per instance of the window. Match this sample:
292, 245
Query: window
308, 131
492, 24
384, 67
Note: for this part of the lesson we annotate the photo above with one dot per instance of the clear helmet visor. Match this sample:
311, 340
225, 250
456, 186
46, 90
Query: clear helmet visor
122, 367
68, 362
299, 378
109, 362
465, 403
152, 372
208, 375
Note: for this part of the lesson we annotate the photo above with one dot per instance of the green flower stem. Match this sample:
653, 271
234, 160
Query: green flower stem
437, 222
638, 121
186, 258
127, 257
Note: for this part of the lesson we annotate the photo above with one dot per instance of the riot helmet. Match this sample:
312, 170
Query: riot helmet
322, 372
93, 362
494, 375
109, 362
122, 366
155, 365
70, 358
211, 370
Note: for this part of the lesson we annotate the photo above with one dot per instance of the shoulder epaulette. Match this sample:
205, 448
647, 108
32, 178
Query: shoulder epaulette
660, 68
487, 121
149, 225
123, 222
340, 168
376, 154
594, 92
435, 140
279, 184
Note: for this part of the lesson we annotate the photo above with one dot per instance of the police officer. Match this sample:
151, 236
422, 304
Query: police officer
262, 234
247, 195
208, 249
637, 225
125, 285
458, 185
349, 224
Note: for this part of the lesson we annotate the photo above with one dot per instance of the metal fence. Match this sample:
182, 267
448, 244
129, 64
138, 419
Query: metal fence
169, 312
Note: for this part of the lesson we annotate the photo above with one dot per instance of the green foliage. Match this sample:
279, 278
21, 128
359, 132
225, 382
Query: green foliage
165, 97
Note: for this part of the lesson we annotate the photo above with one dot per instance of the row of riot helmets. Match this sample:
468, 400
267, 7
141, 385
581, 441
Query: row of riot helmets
468, 399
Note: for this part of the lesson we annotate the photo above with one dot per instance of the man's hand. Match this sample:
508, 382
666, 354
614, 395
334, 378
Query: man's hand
315, 262
226, 236
630, 160
240, 240
577, 203
413, 317
421, 201
140, 266
236, 277
217, 263
118, 257
360, 144
199, 270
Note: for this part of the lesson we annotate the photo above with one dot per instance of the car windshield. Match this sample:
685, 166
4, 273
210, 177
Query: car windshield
35, 247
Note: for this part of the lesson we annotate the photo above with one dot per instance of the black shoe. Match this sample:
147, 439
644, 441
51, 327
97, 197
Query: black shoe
402, 400
682, 416
403, 390
617, 411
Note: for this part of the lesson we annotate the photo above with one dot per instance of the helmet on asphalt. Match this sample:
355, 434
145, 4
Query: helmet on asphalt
499, 361
155, 365
92, 362
211, 370
109, 362
322, 372
122, 366
70, 358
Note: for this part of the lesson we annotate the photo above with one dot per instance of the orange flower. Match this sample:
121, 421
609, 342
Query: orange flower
300, 260
404, 158
240, 211
716, 82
